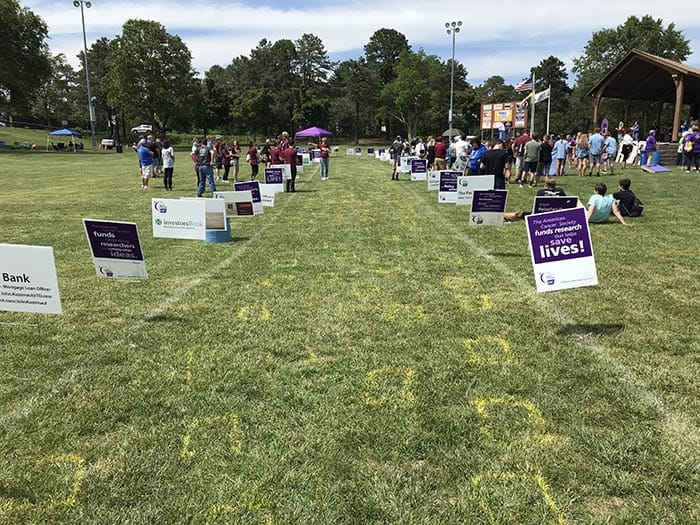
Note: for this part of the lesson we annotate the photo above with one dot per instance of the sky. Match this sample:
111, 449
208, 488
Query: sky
503, 38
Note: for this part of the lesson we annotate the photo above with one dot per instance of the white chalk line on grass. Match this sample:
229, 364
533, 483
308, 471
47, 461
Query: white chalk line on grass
23, 408
674, 425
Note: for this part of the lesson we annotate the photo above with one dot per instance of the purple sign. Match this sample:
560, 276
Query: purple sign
274, 175
113, 240
370, 151
300, 160
419, 166
448, 180
252, 186
559, 235
545, 204
489, 201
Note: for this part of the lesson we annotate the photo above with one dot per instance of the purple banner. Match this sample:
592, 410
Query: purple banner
370, 151
113, 240
253, 186
559, 235
274, 175
419, 166
489, 201
448, 180
547, 204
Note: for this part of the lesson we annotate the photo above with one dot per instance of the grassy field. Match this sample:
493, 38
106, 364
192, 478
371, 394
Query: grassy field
358, 355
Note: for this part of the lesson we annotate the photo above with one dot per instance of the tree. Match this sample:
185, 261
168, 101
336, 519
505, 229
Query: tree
495, 89
383, 51
99, 88
55, 100
357, 87
26, 64
551, 73
150, 75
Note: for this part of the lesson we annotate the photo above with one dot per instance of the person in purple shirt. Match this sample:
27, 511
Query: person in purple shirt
692, 156
650, 147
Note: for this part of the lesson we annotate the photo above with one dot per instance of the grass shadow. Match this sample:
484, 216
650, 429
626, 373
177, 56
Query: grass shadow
162, 318
508, 254
592, 329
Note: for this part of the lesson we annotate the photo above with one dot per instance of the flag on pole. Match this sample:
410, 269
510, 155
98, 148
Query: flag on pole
539, 97
524, 85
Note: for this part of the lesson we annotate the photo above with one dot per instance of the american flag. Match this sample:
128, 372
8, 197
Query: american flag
524, 85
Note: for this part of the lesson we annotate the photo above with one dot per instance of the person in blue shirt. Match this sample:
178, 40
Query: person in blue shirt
475, 154
561, 147
596, 143
600, 206
609, 153
147, 163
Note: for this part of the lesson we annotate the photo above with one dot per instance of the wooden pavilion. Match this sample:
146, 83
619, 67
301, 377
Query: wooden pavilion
643, 76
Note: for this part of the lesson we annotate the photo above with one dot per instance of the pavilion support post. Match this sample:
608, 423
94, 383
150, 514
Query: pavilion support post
680, 86
596, 107
626, 118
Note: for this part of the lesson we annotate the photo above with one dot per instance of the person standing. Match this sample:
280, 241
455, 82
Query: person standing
290, 157
431, 153
206, 172
252, 157
440, 154
560, 148
532, 158
650, 147
582, 150
545, 158
595, 152
325, 152
635, 131
627, 147
609, 153
235, 159
691, 154
475, 154
274, 153
147, 164
396, 149
168, 156
225, 157
493, 162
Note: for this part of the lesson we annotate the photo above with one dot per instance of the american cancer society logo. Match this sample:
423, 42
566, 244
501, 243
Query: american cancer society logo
160, 207
547, 278
464, 182
104, 270
478, 219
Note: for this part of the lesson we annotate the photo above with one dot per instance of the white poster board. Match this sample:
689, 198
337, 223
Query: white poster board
286, 170
433, 181
116, 249
267, 194
419, 169
28, 281
447, 188
467, 184
238, 203
179, 218
215, 213
488, 207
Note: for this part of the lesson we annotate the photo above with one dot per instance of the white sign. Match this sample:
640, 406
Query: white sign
419, 169
561, 250
28, 280
116, 249
238, 203
286, 170
467, 184
215, 212
488, 207
179, 218
447, 189
267, 194
433, 181
350, 151
404, 165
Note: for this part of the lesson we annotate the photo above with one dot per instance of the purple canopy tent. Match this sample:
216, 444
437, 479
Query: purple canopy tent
313, 132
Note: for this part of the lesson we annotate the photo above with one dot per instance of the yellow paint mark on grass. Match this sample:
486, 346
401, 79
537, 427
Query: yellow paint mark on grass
476, 348
254, 313
235, 434
8, 504
469, 303
483, 405
262, 513
378, 391
458, 283
365, 291
503, 477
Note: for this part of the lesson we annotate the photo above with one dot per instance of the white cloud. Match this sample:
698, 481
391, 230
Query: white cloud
517, 35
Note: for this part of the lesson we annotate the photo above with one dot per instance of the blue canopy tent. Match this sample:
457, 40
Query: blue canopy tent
65, 132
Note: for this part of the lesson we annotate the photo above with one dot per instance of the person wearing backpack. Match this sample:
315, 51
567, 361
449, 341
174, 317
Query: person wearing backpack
627, 202
691, 149
206, 172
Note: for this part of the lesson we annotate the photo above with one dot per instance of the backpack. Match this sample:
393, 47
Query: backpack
688, 146
637, 208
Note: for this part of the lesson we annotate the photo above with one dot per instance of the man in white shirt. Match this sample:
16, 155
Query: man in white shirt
627, 147
462, 149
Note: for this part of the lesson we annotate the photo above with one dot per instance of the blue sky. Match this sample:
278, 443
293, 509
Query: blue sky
506, 41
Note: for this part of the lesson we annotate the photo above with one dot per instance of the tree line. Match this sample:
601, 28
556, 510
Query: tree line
145, 75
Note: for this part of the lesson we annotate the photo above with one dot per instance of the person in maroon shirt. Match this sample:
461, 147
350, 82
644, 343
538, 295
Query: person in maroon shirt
290, 157
275, 153
440, 154
253, 160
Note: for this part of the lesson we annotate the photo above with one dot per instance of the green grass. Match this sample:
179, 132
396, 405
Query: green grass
358, 355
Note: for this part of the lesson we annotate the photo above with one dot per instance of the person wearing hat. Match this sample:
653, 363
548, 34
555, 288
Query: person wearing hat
396, 151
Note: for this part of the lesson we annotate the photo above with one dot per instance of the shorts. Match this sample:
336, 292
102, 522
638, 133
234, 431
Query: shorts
595, 159
530, 167
218, 164
234, 162
147, 171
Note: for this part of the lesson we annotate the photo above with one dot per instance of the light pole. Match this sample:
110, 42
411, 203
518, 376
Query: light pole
452, 29
79, 3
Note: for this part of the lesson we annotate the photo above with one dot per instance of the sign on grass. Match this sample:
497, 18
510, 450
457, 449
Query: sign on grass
419, 169
543, 204
254, 187
274, 179
467, 184
488, 207
179, 218
447, 188
116, 249
215, 212
267, 194
28, 280
561, 250
238, 203
286, 170
433, 181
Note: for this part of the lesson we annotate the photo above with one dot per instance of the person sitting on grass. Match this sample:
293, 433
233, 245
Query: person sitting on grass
600, 206
626, 200
550, 189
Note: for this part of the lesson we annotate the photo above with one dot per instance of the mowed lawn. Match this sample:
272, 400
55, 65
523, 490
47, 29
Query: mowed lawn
358, 355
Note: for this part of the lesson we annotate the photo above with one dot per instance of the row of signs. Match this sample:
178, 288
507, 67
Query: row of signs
558, 233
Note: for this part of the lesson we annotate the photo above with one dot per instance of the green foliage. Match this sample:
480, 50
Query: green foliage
551, 72
25, 64
384, 50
